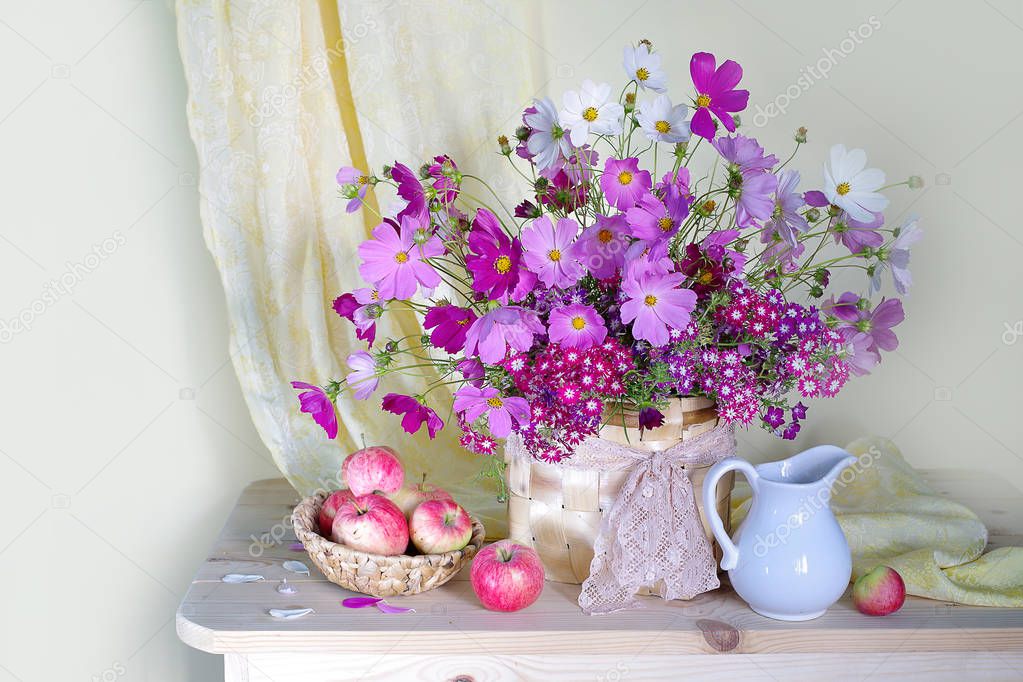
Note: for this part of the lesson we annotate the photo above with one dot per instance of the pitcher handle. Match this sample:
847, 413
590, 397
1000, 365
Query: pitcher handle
729, 552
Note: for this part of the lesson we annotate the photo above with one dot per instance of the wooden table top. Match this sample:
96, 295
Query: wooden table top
232, 619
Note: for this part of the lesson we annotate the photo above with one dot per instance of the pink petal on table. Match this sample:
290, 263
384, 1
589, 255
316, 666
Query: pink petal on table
296, 547
360, 602
387, 608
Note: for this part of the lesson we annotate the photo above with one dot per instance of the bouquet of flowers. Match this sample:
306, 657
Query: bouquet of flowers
622, 280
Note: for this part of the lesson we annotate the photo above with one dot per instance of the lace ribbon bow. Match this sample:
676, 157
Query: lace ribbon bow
652, 535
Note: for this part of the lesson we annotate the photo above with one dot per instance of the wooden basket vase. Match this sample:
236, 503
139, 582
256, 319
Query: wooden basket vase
376, 574
557, 510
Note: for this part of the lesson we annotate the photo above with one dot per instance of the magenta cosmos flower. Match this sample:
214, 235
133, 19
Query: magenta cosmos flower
314, 401
655, 304
449, 324
416, 414
576, 326
500, 410
363, 379
623, 183
495, 259
602, 246
715, 93
354, 184
411, 190
490, 336
550, 251
395, 262
362, 308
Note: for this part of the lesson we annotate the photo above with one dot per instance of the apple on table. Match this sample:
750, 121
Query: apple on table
506, 576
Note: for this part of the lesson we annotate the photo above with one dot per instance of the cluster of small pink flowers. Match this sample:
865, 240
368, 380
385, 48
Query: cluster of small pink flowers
566, 389
474, 441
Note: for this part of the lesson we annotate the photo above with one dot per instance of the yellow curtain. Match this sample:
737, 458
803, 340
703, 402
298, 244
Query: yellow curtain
280, 96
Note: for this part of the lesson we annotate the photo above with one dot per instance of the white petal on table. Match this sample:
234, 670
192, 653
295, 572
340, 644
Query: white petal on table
236, 578
290, 613
296, 567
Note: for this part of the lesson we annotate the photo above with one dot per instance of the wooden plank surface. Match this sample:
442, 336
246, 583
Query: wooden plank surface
223, 618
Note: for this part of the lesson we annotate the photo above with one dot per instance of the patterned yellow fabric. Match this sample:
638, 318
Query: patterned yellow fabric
280, 96
891, 517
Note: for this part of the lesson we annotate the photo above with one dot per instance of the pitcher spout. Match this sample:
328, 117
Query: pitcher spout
819, 466
843, 461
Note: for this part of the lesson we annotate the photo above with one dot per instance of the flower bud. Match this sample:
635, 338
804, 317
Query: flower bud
816, 291
391, 347
502, 142
822, 276
737, 120
649, 46
424, 172
387, 171
680, 149
522, 133
541, 185
813, 215
630, 102
915, 182
424, 340
800, 135
706, 208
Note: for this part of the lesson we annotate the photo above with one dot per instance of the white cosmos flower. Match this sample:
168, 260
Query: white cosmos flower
851, 186
588, 111
644, 67
549, 141
662, 122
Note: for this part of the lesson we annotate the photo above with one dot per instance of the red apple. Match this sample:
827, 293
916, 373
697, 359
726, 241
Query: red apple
371, 523
329, 509
439, 526
408, 497
506, 576
879, 592
371, 469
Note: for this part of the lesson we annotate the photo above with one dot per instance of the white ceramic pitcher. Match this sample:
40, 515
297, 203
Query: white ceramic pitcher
789, 559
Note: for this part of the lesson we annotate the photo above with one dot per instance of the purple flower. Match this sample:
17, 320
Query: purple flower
854, 316
500, 411
446, 186
411, 190
786, 222
744, 152
799, 411
623, 183
396, 261
494, 258
550, 251
363, 380
471, 370
754, 201
362, 308
715, 93
490, 336
896, 257
416, 414
602, 246
674, 191
655, 303
655, 223
791, 431
856, 235
650, 418
450, 324
354, 184
815, 198
315, 402
774, 417
576, 326
860, 358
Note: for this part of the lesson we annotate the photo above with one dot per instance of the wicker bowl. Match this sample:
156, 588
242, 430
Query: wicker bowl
375, 574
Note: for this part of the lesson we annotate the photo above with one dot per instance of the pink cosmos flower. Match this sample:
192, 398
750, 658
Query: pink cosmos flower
354, 184
416, 414
314, 401
550, 251
602, 246
490, 336
855, 316
411, 190
500, 410
623, 183
715, 93
655, 303
576, 326
450, 324
654, 223
363, 380
396, 261
441, 170
744, 152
